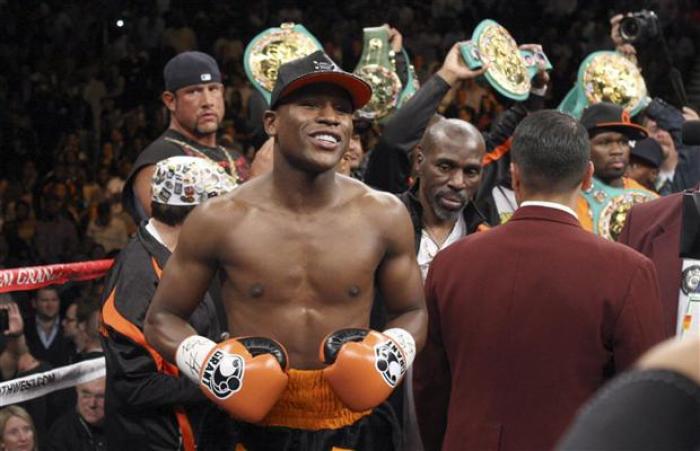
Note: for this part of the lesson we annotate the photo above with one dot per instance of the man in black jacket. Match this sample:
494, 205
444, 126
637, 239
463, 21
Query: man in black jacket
148, 404
81, 429
43, 331
194, 97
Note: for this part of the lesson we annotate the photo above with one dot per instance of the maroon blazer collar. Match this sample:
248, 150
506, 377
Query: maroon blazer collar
544, 213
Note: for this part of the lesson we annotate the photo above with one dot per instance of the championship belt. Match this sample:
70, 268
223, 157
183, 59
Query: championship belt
689, 295
511, 70
272, 48
608, 206
378, 69
412, 83
606, 77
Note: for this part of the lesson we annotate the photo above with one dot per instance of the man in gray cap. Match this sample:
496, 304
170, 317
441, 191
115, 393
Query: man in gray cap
194, 96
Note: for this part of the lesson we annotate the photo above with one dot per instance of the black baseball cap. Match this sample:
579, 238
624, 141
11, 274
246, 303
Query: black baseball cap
605, 117
648, 150
318, 68
190, 68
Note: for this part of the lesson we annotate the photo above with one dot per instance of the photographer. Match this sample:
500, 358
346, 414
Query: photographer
656, 49
680, 168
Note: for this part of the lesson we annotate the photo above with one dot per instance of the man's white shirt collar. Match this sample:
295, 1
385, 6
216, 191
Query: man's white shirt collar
545, 204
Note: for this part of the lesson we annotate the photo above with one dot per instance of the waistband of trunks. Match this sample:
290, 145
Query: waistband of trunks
309, 403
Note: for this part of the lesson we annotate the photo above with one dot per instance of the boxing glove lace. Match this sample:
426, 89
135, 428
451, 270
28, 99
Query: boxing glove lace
364, 365
243, 376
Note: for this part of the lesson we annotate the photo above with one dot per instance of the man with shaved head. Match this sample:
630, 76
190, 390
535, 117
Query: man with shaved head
440, 204
449, 171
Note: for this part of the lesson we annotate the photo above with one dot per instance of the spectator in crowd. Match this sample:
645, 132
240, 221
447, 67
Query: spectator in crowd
43, 331
680, 169
196, 111
95, 189
17, 431
15, 356
19, 234
669, 155
87, 330
106, 230
351, 161
645, 160
70, 327
17, 361
56, 238
81, 428
610, 131
509, 342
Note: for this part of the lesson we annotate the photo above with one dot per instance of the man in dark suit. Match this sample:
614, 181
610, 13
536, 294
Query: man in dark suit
527, 320
43, 331
654, 229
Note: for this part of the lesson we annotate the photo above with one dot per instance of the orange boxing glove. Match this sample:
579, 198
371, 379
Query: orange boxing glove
243, 376
364, 365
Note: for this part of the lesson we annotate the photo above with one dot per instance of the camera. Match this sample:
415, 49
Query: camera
639, 27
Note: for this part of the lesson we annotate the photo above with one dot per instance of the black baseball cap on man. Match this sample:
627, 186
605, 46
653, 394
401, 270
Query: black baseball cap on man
318, 68
606, 117
649, 151
190, 68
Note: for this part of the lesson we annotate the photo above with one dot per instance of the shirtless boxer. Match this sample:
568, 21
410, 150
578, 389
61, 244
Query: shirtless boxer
300, 249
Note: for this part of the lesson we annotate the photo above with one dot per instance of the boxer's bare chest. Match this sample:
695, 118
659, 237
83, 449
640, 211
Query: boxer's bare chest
330, 256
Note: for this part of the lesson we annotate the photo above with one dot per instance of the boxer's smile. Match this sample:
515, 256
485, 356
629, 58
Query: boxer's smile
326, 140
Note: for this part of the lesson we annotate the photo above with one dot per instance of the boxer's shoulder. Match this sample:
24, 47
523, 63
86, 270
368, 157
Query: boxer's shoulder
362, 195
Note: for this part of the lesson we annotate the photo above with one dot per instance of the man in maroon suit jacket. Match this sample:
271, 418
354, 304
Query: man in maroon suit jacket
527, 320
654, 229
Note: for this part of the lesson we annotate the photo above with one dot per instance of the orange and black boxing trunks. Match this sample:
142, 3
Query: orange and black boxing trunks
310, 417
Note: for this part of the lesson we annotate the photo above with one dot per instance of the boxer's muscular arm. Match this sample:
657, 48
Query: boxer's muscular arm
186, 278
399, 276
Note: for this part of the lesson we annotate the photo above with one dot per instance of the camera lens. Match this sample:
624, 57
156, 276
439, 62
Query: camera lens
629, 29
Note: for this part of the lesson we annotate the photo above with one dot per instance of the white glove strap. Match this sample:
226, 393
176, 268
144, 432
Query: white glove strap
405, 341
190, 355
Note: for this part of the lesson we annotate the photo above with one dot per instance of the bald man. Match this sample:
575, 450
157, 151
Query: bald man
440, 202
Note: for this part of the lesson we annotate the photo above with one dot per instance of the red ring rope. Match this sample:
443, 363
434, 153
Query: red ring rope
35, 277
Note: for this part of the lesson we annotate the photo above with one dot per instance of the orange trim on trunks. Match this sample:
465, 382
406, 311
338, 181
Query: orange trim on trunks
309, 403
